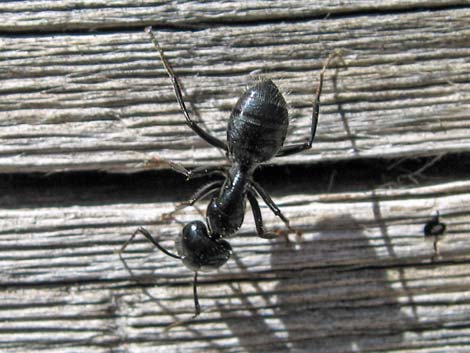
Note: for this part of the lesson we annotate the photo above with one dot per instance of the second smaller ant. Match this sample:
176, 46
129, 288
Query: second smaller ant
434, 228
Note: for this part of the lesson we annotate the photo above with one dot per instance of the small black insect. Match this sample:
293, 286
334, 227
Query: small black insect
256, 132
434, 227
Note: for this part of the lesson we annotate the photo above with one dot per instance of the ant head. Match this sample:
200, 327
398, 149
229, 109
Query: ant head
200, 251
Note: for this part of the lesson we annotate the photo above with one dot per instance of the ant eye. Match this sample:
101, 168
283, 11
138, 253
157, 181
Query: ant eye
192, 234
196, 227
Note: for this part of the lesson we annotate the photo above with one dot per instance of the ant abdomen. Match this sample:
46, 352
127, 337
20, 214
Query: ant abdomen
258, 124
199, 251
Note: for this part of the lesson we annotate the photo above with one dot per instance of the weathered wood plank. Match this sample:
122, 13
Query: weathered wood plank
77, 14
102, 101
362, 278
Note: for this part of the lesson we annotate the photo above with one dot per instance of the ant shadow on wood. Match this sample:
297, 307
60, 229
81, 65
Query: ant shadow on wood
326, 305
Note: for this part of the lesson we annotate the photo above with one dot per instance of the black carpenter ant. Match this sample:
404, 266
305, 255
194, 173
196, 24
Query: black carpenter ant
256, 132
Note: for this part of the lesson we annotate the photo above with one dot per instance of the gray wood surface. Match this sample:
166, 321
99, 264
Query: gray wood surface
363, 277
82, 89
92, 101
50, 15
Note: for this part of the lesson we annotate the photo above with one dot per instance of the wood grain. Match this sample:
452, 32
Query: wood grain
49, 15
362, 277
102, 101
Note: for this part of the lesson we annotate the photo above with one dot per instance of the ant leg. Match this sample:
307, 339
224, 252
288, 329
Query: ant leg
202, 193
269, 201
188, 173
214, 141
147, 234
258, 217
288, 150
197, 307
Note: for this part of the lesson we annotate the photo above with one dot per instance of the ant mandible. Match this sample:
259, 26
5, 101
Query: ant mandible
256, 132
